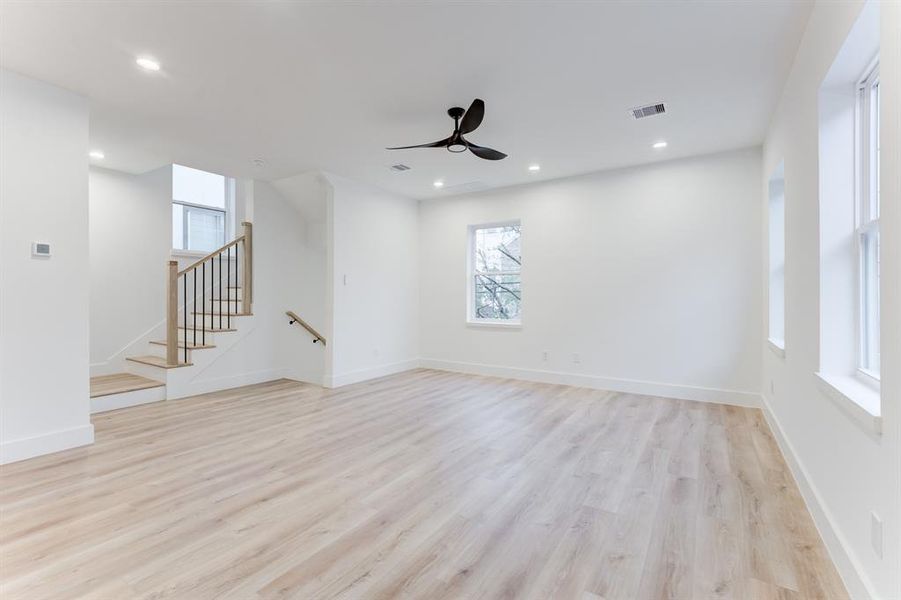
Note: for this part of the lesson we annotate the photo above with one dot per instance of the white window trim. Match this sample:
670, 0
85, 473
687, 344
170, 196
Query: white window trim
228, 219
777, 347
471, 320
861, 402
865, 223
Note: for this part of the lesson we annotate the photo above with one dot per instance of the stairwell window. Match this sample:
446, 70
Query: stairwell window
867, 150
494, 287
201, 207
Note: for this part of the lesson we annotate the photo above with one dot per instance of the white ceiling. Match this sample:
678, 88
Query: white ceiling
328, 85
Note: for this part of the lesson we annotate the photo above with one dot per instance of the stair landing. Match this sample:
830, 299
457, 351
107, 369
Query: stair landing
119, 383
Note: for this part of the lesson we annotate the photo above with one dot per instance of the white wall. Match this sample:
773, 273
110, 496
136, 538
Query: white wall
644, 273
374, 276
844, 467
43, 302
130, 241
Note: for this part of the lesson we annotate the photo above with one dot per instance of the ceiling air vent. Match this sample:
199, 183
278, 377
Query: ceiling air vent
640, 112
400, 167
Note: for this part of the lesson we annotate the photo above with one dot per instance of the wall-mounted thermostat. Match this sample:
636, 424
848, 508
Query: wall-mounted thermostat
40, 250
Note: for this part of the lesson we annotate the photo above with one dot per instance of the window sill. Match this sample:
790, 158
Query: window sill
194, 254
777, 347
187, 253
859, 401
495, 324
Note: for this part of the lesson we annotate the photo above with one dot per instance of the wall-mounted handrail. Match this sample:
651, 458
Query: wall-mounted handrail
295, 319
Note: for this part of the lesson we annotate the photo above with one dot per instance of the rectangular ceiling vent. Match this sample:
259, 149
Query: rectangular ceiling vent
640, 112
400, 167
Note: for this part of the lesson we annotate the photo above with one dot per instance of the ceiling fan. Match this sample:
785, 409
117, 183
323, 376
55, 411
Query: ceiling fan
464, 122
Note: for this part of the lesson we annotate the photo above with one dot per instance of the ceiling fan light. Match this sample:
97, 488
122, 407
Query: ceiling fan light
456, 147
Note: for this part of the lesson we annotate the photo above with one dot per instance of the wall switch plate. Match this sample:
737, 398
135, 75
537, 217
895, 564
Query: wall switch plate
40, 250
577, 359
876, 533
544, 356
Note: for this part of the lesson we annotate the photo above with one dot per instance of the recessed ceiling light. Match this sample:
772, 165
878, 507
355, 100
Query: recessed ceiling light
659, 145
147, 63
534, 168
96, 154
439, 184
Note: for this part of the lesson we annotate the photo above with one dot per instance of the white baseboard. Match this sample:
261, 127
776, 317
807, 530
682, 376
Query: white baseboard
48, 443
125, 399
846, 564
174, 391
333, 381
629, 386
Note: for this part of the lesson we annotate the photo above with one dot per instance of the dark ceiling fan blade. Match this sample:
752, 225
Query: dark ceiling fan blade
473, 116
486, 153
438, 144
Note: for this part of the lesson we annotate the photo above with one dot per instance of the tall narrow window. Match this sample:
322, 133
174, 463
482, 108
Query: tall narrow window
867, 148
495, 263
777, 257
200, 209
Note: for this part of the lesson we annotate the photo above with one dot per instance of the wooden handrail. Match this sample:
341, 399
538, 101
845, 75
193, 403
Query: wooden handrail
172, 313
305, 325
211, 255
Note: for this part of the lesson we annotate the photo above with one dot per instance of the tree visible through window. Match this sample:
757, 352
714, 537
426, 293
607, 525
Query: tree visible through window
495, 273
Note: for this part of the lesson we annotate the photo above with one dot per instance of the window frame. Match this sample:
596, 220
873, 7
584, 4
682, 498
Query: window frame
867, 216
776, 263
471, 273
187, 208
228, 211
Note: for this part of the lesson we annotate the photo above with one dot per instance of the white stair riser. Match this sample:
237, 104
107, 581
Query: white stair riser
125, 399
158, 350
224, 305
188, 334
144, 370
212, 321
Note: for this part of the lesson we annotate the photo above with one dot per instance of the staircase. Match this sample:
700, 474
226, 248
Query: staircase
206, 304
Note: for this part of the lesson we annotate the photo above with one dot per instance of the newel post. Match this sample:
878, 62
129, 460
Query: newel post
247, 297
172, 314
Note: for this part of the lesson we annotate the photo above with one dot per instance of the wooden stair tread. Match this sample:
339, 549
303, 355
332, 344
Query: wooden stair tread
156, 361
118, 383
223, 315
182, 345
207, 329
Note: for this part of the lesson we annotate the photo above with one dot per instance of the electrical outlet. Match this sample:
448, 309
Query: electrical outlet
544, 356
876, 533
772, 388
577, 359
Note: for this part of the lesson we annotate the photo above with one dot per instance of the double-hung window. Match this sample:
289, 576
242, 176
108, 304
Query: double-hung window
495, 269
201, 204
867, 152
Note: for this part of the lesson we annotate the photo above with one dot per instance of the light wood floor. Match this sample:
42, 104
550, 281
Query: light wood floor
106, 385
422, 485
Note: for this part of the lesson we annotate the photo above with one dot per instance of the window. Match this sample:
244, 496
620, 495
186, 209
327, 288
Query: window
867, 150
200, 209
777, 257
495, 263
